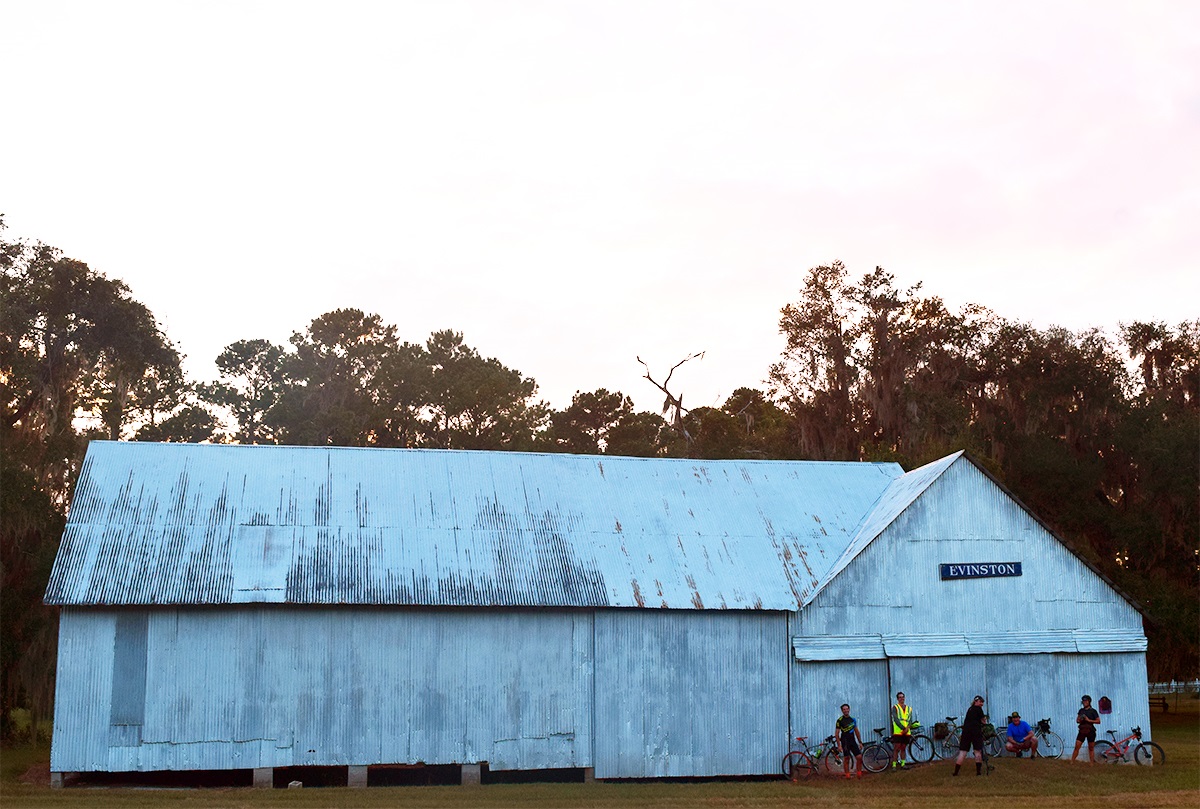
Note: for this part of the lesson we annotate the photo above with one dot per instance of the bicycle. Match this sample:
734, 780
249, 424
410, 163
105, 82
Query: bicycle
804, 761
947, 747
919, 748
876, 756
1050, 744
1118, 751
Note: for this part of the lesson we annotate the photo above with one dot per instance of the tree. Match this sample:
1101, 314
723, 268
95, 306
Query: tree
584, 427
250, 383
477, 403
72, 343
817, 374
330, 394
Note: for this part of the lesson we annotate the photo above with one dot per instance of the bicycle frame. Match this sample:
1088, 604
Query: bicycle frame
1120, 749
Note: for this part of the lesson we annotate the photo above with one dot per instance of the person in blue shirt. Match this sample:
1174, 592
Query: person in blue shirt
1019, 737
849, 740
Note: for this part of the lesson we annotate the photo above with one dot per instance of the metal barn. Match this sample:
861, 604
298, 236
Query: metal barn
256, 607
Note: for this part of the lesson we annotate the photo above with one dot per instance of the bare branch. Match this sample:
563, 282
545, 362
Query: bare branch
672, 404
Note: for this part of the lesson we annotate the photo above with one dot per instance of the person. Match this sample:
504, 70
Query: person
972, 736
1087, 718
902, 719
849, 741
1020, 737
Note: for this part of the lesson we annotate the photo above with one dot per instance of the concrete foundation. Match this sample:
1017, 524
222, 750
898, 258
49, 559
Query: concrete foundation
356, 776
471, 774
264, 777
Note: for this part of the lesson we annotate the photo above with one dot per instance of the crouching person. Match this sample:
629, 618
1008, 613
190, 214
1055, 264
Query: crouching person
1019, 737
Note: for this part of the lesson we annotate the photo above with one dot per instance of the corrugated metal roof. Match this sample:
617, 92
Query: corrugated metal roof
895, 499
218, 524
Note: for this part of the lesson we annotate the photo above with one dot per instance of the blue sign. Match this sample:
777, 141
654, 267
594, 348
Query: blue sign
979, 570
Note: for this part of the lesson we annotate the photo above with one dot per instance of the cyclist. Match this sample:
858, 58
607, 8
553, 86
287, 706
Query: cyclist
849, 740
902, 719
1087, 718
972, 736
1020, 737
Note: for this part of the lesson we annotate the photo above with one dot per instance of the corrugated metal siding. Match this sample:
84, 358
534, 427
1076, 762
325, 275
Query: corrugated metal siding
898, 496
191, 524
893, 586
262, 687
1036, 685
819, 688
875, 647
838, 647
690, 693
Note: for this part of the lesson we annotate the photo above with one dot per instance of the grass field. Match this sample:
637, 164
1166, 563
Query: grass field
1015, 782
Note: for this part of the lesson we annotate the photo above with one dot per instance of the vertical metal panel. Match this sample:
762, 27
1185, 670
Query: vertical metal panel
265, 686
689, 693
819, 688
83, 690
129, 669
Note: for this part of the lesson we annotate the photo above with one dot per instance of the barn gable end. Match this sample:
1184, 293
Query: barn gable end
1031, 642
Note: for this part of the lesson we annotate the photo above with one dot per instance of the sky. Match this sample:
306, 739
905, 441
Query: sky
573, 185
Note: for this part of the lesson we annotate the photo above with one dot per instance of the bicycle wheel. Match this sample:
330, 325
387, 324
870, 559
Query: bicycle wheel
797, 765
1050, 745
1106, 753
832, 760
993, 745
920, 749
948, 747
1149, 753
876, 757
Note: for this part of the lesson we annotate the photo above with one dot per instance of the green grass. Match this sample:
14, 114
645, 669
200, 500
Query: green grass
1015, 782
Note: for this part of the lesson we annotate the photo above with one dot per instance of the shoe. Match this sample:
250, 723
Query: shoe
1020, 753
860, 773
849, 776
903, 763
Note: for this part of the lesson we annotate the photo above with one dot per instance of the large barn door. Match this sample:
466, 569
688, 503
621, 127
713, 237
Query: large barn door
819, 688
693, 693
937, 687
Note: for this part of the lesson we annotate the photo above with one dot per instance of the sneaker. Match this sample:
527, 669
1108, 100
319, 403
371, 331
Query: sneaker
860, 773
849, 776
1020, 754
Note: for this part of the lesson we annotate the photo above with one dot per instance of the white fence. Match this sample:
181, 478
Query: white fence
1174, 687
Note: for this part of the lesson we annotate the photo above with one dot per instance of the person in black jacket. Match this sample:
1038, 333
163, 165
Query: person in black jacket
972, 736
1087, 719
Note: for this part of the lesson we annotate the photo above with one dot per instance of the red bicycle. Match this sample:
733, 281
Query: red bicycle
1118, 751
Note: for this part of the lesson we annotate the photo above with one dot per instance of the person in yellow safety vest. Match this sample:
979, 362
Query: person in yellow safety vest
902, 719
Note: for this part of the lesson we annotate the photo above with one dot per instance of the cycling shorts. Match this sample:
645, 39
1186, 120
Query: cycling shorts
972, 739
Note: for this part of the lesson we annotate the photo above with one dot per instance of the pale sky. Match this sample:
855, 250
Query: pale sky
574, 184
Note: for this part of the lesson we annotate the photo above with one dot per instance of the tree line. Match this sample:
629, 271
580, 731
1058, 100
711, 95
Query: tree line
1096, 433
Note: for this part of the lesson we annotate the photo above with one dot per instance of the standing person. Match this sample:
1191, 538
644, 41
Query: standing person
849, 740
972, 736
902, 718
1019, 736
1087, 718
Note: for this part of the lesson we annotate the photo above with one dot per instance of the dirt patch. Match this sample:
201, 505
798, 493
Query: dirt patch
38, 774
